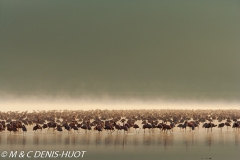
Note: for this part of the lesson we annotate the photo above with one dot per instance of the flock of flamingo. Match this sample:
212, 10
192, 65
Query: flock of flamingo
72, 121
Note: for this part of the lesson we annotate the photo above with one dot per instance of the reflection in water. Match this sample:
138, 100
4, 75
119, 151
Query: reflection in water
237, 139
36, 139
108, 139
136, 140
159, 140
167, 139
73, 140
45, 139
98, 138
209, 139
125, 140
10, 140
14, 139
118, 140
67, 140
155, 142
85, 139
222, 138
59, 138
185, 140
147, 139
188, 139
24, 140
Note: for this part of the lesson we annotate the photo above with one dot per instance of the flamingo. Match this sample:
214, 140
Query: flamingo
98, 128
221, 125
59, 128
24, 129
109, 128
228, 124
36, 127
135, 126
147, 125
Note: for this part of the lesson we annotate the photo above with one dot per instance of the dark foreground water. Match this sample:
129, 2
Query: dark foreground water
179, 145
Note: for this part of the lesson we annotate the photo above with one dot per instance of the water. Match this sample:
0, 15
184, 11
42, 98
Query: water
179, 145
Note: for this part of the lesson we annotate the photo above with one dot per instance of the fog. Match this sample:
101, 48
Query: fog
39, 105
154, 53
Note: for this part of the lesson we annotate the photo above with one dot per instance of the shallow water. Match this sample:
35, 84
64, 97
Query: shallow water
180, 145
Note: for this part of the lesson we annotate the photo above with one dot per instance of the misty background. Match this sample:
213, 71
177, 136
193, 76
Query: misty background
187, 50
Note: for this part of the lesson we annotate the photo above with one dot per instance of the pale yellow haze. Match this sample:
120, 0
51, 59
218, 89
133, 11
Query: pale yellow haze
30, 106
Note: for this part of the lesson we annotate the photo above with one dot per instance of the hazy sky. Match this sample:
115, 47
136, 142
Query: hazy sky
121, 49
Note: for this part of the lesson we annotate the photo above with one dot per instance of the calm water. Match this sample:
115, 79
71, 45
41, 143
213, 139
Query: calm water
179, 145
